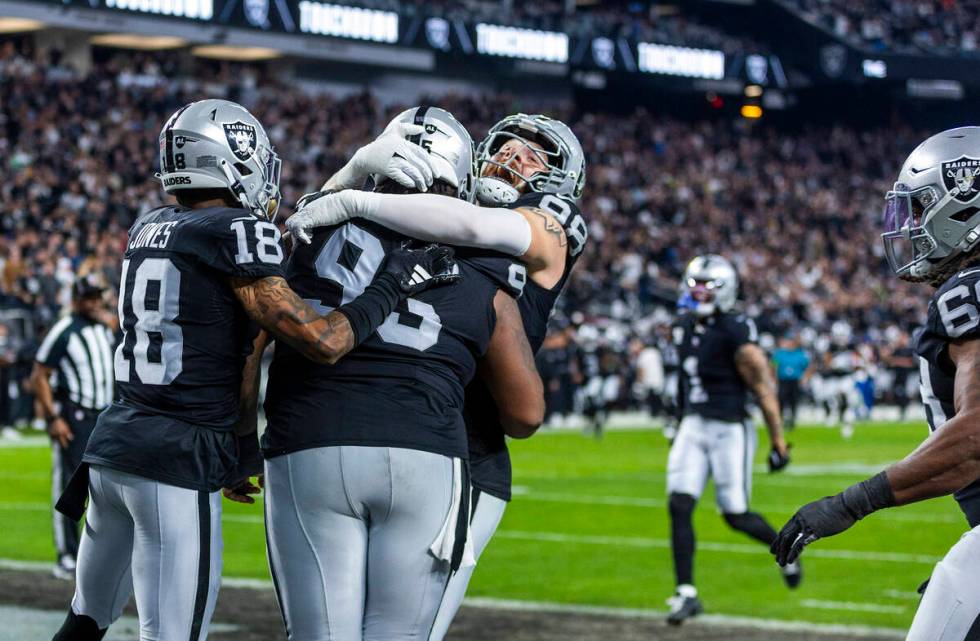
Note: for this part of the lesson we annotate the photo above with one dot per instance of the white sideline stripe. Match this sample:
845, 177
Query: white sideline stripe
851, 606
25, 441
638, 501
737, 548
902, 594
713, 620
628, 541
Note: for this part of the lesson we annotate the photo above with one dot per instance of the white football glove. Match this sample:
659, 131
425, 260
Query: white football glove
390, 155
321, 209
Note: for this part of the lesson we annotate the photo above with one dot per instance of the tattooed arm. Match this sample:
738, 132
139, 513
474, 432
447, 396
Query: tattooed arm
950, 458
508, 369
753, 367
276, 308
546, 255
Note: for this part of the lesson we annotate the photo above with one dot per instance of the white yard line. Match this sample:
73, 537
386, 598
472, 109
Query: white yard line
851, 606
714, 620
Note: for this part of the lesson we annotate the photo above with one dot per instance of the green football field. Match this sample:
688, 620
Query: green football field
588, 526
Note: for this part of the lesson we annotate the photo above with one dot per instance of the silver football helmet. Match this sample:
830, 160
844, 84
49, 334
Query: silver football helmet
448, 142
710, 285
932, 214
551, 140
218, 144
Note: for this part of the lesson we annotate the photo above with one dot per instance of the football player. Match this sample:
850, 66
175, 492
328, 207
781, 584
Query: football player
932, 229
196, 278
720, 365
532, 173
840, 371
366, 477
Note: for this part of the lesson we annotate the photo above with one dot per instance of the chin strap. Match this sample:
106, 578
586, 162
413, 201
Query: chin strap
495, 192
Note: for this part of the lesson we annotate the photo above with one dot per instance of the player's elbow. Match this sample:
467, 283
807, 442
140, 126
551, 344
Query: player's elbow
524, 419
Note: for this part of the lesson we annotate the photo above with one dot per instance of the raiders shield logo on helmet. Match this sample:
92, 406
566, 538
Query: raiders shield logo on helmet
961, 174
241, 139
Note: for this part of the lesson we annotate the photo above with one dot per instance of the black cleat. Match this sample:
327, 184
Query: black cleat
683, 608
792, 574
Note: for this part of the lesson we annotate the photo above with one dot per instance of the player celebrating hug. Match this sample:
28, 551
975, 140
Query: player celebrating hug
720, 365
932, 235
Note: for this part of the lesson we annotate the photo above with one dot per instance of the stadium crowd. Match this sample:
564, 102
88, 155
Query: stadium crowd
936, 27
797, 211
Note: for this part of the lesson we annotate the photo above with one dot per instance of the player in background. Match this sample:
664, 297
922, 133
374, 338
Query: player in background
721, 365
532, 173
366, 476
668, 397
840, 370
198, 280
931, 235
900, 358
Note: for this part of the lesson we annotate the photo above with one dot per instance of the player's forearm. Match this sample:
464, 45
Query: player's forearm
277, 309
251, 378
769, 404
42, 391
947, 461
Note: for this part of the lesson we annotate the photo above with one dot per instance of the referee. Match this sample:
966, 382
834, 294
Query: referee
78, 351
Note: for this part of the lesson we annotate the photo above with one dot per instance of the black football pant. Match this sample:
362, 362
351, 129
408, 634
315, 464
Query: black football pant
64, 461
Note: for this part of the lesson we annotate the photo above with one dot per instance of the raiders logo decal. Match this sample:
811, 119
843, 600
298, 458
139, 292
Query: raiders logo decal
241, 139
962, 174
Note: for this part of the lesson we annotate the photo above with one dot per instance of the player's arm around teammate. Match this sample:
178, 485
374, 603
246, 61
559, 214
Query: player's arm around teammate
511, 374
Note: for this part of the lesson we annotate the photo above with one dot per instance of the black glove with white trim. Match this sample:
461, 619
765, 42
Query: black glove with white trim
416, 270
831, 515
777, 460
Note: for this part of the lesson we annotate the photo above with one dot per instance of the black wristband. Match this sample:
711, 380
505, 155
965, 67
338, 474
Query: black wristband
875, 493
370, 309
249, 456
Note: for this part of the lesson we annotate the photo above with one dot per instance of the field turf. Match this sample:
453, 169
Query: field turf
588, 526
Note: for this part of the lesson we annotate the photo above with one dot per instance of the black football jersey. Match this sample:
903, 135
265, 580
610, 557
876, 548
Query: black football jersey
954, 314
185, 338
710, 386
403, 386
490, 469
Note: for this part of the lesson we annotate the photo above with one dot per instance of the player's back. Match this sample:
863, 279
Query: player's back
710, 383
953, 315
403, 386
185, 340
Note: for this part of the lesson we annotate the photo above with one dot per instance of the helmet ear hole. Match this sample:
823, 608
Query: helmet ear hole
964, 215
242, 169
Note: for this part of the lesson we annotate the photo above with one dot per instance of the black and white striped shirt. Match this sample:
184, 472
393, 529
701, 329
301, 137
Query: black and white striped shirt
80, 351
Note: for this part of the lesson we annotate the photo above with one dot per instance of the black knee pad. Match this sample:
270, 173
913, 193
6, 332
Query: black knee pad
681, 505
78, 627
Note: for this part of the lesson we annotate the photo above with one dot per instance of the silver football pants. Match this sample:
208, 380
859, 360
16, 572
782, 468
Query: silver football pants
160, 541
486, 514
351, 537
950, 608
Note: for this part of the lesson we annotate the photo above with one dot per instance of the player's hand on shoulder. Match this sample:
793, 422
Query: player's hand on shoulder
418, 269
778, 458
395, 157
322, 209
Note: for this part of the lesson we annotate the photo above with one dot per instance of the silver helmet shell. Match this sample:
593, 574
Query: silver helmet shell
551, 140
449, 144
710, 285
932, 214
218, 144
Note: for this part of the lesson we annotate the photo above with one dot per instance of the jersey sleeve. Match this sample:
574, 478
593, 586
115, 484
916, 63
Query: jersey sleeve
954, 314
501, 270
54, 345
742, 331
235, 243
567, 213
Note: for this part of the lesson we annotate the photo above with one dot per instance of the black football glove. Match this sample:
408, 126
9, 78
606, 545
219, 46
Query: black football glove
831, 515
778, 461
416, 270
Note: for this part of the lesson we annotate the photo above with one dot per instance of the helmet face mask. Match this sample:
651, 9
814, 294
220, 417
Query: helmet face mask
551, 143
218, 144
931, 219
710, 285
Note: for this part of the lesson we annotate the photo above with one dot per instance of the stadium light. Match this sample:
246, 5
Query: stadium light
137, 41
19, 25
753, 91
752, 112
237, 54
